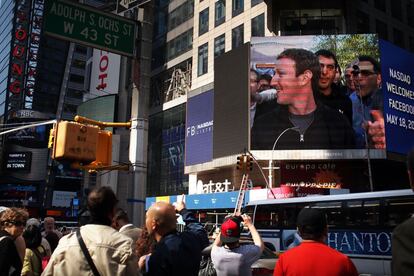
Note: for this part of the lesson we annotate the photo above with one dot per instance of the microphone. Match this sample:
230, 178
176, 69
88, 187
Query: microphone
265, 96
356, 70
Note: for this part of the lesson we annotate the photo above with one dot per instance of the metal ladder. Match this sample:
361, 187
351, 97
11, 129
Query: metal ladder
240, 197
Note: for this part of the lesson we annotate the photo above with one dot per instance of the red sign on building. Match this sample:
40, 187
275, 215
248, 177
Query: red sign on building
27, 24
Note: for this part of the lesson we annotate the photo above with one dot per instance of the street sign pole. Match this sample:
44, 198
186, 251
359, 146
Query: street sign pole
140, 75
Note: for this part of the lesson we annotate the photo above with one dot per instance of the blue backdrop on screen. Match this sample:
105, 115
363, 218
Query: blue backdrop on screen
398, 88
199, 129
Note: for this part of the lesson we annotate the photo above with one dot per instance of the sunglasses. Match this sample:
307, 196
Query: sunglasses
17, 223
366, 73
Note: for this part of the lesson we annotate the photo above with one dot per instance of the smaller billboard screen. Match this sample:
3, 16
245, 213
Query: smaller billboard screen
33, 137
199, 129
398, 86
18, 161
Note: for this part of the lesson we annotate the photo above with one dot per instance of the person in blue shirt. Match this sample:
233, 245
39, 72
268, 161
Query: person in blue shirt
367, 104
175, 253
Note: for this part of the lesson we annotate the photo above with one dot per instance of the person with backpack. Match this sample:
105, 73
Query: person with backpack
36, 256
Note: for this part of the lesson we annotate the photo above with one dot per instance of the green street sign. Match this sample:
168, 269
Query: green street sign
84, 25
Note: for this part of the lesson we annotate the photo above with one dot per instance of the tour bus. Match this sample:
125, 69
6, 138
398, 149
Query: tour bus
360, 224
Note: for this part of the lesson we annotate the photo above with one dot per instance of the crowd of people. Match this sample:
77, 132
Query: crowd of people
110, 245
311, 109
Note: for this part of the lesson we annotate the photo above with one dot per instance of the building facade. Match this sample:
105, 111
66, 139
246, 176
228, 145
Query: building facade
192, 41
43, 78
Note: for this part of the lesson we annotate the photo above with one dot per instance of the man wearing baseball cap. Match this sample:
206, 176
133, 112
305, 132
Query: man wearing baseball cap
228, 255
313, 256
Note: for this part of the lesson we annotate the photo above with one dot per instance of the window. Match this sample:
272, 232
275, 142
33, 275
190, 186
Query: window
202, 59
161, 22
399, 38
409, 11
220, 12
181, 14
79, 63
76, 78
396, 9
238, 7
237, 37
411, 43
203, 22
81, 49
73, 93
380, 4
180, 44
219, 45
362, 22
381, 29
70, 108
256, 2
258, 25
311, 21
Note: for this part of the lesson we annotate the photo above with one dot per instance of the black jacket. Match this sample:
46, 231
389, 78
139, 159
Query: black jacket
403, 249
9, 257
337, 100
179, 254
329, 130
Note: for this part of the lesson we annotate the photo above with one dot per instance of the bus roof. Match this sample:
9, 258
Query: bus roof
320, 198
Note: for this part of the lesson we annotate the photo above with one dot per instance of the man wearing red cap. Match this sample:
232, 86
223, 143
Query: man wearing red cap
228, 255
313, 256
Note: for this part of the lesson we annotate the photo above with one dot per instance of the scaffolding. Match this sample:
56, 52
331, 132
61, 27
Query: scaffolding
179, 84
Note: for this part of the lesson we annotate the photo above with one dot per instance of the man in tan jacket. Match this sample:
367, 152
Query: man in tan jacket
110, 251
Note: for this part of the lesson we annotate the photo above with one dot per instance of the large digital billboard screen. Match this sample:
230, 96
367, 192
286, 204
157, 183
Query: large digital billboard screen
317, 93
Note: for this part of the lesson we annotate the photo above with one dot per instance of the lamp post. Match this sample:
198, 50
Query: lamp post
273, 149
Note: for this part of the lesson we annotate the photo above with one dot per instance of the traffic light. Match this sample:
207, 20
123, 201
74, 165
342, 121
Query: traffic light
249, 162
51, 138
240, 160
74, 141
244, 162
103, 148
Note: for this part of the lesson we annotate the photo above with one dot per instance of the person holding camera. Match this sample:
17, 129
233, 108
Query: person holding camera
229, 256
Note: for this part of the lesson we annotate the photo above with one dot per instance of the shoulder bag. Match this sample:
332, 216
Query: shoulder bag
86, 253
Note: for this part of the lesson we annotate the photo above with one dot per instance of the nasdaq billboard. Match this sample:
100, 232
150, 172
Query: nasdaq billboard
398, 89
199, 129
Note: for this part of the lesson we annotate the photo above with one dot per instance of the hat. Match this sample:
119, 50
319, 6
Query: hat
230, 230
314, 218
